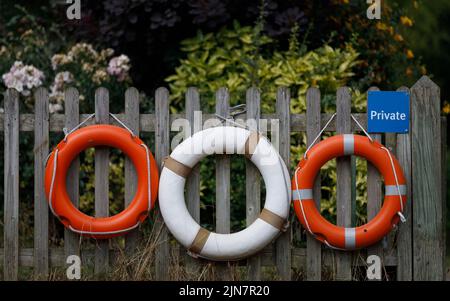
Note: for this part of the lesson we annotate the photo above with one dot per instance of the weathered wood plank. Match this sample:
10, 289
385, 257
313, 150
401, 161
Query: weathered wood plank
253, 179
374, 195
57, 258
72, 119
313, 246
404, 239
344, 194
147, 121
162, 149
101, 181
41, 145
193, 181
283, 243
132, 121
11, 185
444, 187
427, 178
223, 187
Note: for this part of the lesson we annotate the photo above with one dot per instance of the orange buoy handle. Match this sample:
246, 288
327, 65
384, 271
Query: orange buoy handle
394, 190
56, 172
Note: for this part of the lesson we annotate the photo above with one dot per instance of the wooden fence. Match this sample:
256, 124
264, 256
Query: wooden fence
414, 251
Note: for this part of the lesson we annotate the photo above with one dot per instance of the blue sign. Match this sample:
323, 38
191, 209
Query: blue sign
387, 112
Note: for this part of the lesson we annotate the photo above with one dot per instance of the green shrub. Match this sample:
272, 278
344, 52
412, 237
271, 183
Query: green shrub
240, 57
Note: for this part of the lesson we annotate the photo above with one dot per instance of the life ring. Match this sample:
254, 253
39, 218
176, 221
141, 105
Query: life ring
55, 181
394, 200
224, 140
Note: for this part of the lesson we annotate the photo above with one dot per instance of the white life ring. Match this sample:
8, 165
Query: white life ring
224, 140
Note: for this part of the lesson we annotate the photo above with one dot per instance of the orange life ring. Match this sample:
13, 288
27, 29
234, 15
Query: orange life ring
68, 149
375, 229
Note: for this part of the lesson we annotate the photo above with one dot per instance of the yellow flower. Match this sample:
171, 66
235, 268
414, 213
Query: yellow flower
99, 76
391, 30
423, 70
398, 38
409, 71
381, 26
409, 54
446, 108
345, 1
406, 21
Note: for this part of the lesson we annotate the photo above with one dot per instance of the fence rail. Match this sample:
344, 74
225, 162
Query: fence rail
416, 249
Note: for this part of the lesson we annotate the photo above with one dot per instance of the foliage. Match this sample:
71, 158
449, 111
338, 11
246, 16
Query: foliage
32, 56
388, 61
241, 57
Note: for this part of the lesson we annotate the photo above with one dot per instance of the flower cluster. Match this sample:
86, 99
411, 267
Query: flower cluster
57, 91
119, 67
23, 78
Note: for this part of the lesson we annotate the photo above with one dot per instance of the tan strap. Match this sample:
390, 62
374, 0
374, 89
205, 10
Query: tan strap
177, 167
250, 144
273, 219
199, 241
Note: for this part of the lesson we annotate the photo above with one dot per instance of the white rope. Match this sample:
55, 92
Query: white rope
320, 134
104, 233
122, 124
400, 214
148, 176
50, 197
362, 128
297, 189
67, 133
230, 120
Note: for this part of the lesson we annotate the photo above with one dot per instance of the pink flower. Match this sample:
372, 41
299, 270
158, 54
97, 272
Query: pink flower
23, 78
119, 66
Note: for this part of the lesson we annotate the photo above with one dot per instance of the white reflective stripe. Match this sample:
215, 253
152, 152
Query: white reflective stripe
349, 144
350, 238
392, 190
305, 194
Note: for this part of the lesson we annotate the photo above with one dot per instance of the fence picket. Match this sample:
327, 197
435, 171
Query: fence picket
223, 187
404, 240
283, 243
41, 145
132, 121
193, 181
374, 195
344, 194
101, 181
313, 127
11, 185
253, 179
162, 149
426, 176
72, 114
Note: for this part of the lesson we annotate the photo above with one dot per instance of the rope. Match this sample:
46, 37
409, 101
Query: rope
67, 133
122, 124
400, 214
55, 162
320, 134
402, 217
230, 120
361, 127
304, 215
148, 177
104, 233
